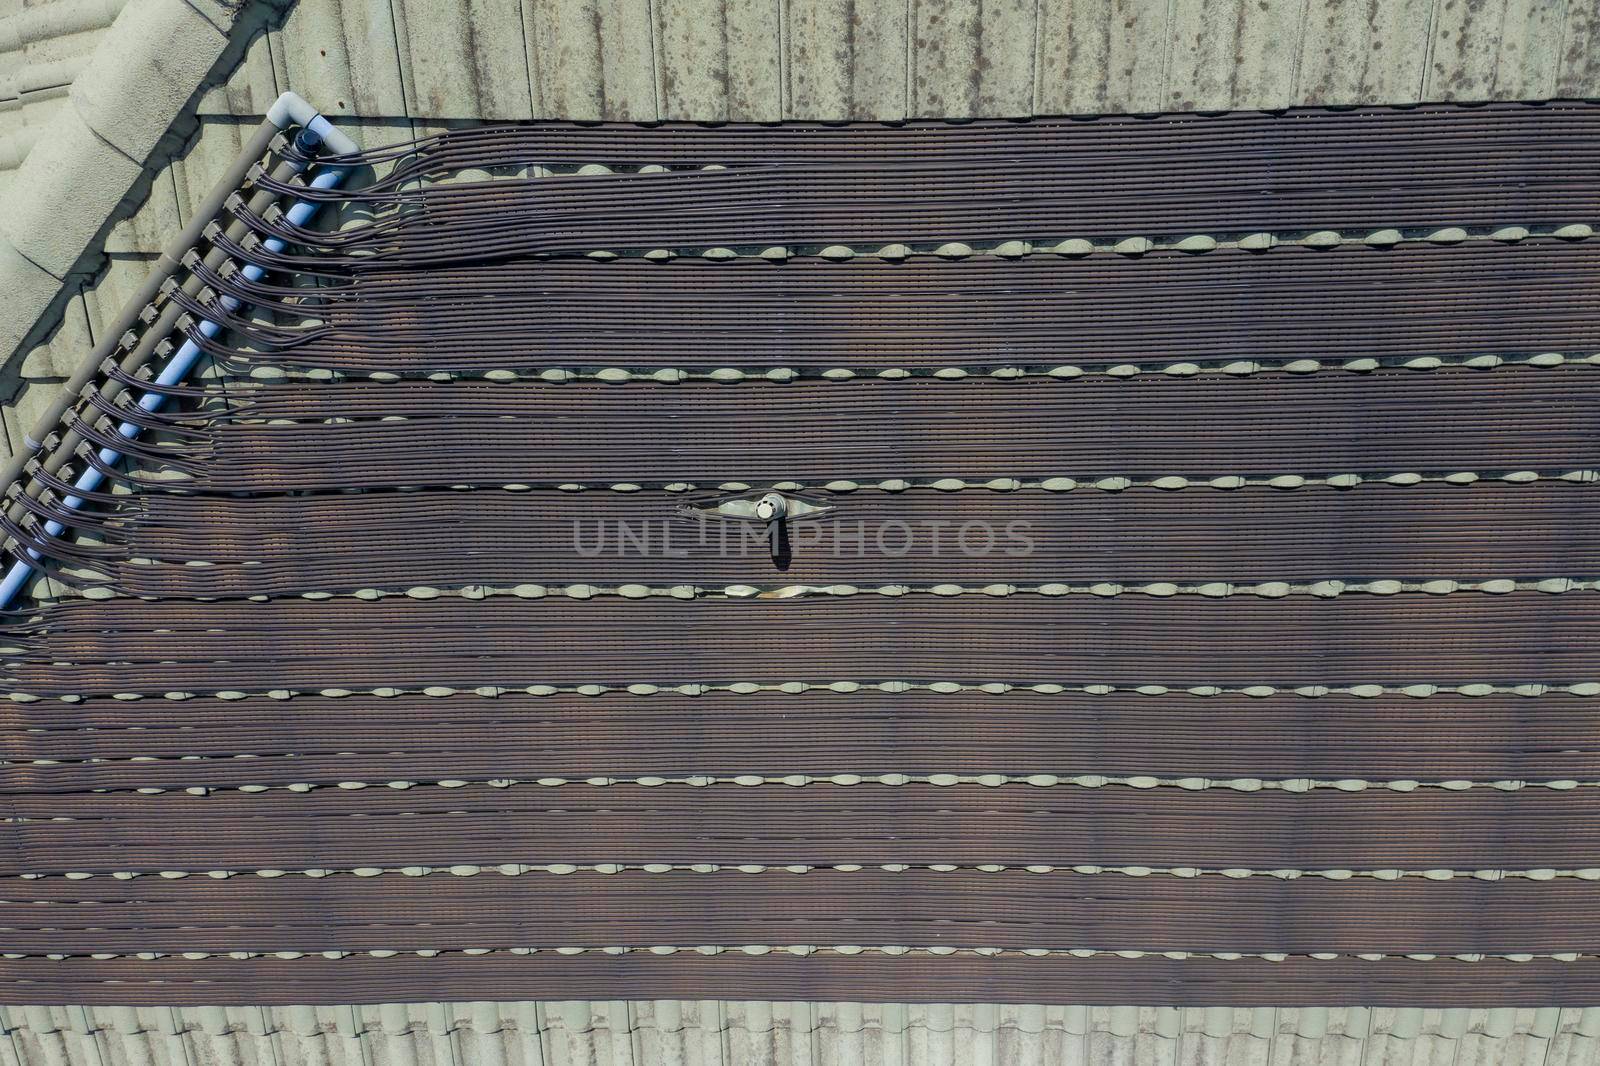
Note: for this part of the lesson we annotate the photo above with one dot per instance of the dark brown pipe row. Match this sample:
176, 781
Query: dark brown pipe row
1393, 183
819, 824
1342, 303
918, 907
820, 733
288, 544
813, 432
1435, 167
1341, 133
134, 646
1433, 178
1100, 980
784, 207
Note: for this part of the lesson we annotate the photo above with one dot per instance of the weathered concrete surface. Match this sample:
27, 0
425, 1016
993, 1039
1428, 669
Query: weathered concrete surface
715, 68
1099, 58
845, 59
800, 1034
464, 59
592, 59
346, 50
49, 215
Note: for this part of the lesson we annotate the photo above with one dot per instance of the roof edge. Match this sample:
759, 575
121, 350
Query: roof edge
145, 77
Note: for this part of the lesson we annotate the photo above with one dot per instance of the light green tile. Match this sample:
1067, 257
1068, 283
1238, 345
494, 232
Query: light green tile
464, 60
341, 56
1006, 57
255, 83
1527, 67
1465, 50
564, 47
592, 59
754, 34
1361, 53
153, 222
719, 60
1578, 71
1097, 58
944, 58
846, 59
1232, 54
693, 44
65, 346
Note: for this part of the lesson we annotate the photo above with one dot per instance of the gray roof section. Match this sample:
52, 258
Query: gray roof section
42, 48
723, 60
794, 1034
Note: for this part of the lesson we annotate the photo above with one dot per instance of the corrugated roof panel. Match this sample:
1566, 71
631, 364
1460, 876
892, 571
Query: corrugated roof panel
757, 1033
593, 59
945, 40
343, 55
1226, 54
1363, 53
462, 60
1101, 58
1578, 72
845, 59
730, 60
720, 61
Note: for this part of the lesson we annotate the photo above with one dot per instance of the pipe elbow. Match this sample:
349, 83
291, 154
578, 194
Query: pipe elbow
291, 109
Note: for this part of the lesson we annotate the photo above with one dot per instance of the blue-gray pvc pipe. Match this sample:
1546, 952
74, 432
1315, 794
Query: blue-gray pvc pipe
176, 370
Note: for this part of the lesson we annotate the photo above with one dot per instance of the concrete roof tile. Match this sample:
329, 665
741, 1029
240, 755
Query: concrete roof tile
51, 214
164, 50
342, 55
845, 59
593, 59
59, 356
23, 280
754, 1032
464, 60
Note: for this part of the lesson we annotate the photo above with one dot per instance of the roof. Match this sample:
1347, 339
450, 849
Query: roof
45, 47
74, 252
793, 1033
1313, 744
